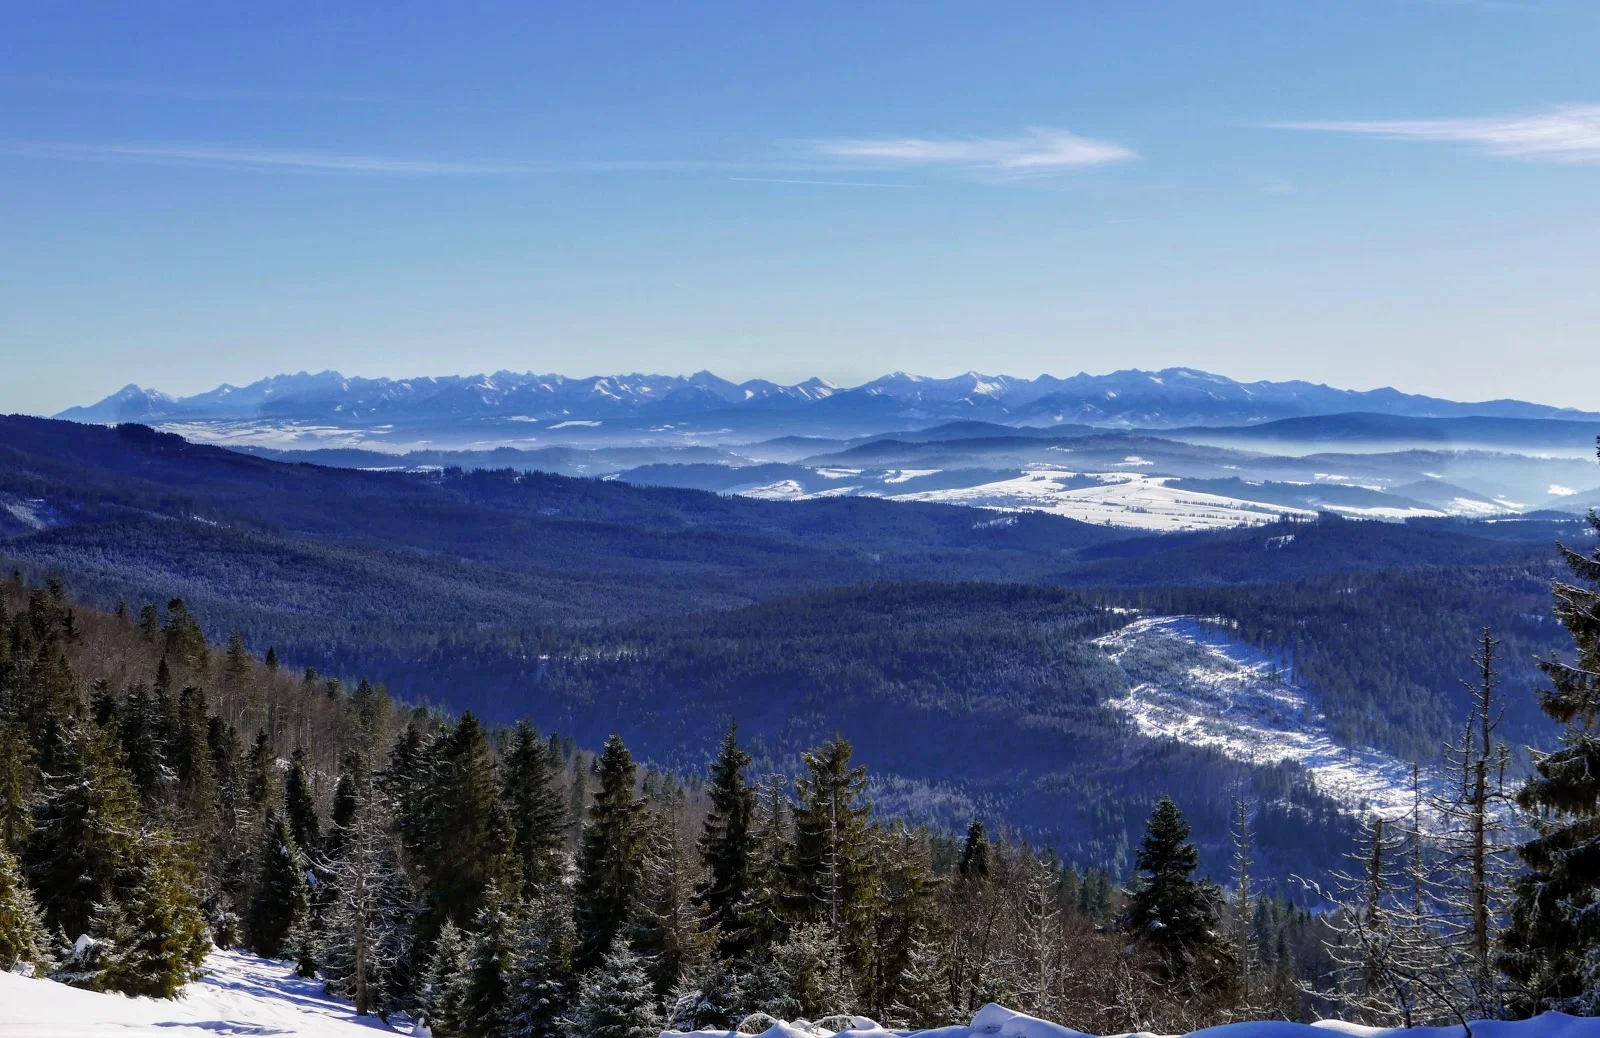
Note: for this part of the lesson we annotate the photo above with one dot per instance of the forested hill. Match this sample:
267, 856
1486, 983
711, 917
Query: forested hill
936, 638
272, 548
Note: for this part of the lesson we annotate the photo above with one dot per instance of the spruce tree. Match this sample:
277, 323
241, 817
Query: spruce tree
668, 930
140, 730
610, 861
461, 837
902, 985
974, 863
85, 833
444, 992
1169, 910
168, 935
727, 846
300, 804
831, 874
260, 775
24, 941
761, 919
15, 783
1551, 946
542, 985
617, 1000
147, 937
538, 815
489, 964
280, 902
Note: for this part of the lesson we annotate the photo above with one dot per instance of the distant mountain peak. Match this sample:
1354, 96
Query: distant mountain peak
1127, 398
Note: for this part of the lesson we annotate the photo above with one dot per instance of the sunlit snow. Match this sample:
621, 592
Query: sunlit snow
1119, 498
1189, 681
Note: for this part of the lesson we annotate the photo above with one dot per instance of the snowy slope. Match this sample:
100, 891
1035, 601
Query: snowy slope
240, 995
1188, 681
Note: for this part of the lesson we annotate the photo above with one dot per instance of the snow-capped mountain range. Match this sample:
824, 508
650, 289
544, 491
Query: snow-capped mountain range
1163, 399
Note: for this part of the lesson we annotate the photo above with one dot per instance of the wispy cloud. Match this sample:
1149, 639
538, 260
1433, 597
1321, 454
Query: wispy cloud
301, 161
819, 183
1038, 151
1569, 134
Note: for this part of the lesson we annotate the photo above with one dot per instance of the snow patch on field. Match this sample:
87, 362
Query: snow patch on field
782, 490
1131, 499
903, 475
31, 513
1189, 681
240, 994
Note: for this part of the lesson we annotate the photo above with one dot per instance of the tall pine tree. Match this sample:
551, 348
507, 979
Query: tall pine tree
611, 860
280, 903
727, 846
538, 812
1551, 946
1169, 910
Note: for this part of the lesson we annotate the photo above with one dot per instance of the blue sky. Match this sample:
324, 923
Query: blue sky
1369, 192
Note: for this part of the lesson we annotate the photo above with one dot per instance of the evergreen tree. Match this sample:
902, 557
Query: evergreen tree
261, 775
192, 765
300, 804
237, 664
461, 837
15, 784
902, 985
831, 874
1169, 910
974, 864
815, 980
147, 938
538, 815
727, 846
668, 931
85, 833
1551, 946
617, 1000
280, 903
611, 859
541, 982
760, 919
489, 966
444, 993
169, 934
140, 730
23, 938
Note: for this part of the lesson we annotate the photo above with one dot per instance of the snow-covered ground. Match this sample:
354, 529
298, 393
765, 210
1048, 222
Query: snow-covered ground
240, 995
243, 995
1120, 498
994, 1021
1189, 681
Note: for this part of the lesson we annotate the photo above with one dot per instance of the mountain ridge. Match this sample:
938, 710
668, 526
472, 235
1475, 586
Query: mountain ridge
1168, 398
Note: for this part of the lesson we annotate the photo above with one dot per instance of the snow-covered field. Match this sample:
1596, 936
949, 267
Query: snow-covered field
1120, 498
1189, 681
243, 995
240, 995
